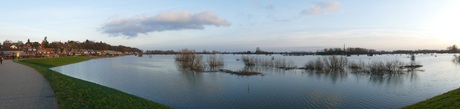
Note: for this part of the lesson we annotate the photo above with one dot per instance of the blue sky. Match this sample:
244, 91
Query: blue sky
237, 25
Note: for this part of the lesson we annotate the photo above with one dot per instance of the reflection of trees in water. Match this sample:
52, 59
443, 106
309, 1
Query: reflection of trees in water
456, 60
389, 79
333, 75
262, 69
192, 77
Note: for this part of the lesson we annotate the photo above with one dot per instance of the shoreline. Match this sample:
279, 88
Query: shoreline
76, 93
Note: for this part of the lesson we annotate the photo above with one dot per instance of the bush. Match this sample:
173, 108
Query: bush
215, 61
189, 60
389, 67
315, 65
249, 61
456, 59
277, 63
356, 65
335, 62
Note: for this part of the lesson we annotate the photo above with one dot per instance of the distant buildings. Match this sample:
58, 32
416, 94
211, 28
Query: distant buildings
9, 49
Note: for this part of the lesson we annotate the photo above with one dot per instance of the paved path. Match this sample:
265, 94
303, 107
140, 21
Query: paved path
22, 87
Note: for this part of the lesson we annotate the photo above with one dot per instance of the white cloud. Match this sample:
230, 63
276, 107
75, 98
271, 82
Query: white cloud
321, 8
166, 21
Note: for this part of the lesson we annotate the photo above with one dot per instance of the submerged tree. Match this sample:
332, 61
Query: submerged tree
189, 60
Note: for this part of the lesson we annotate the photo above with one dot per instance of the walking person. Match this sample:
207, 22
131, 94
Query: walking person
1, 60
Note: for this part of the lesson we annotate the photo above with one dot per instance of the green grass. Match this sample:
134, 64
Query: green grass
449, 100
73, 93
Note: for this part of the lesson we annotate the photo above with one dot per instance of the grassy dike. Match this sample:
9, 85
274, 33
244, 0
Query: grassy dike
448, 100
75, 93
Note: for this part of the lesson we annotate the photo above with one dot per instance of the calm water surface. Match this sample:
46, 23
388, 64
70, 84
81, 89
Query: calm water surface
158, 79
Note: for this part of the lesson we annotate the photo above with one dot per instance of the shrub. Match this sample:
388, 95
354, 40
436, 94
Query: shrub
315, 65
249, 61
456, 59
356, 65
215, 61
335, 62
389, 67
277, 63
189, 60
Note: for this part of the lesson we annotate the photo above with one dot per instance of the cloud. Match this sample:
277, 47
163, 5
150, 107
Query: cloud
321, 8
165, 21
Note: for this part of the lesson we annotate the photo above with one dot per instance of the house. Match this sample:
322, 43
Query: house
13, 47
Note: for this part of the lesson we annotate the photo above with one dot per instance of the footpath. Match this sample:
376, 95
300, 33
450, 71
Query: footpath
22, 87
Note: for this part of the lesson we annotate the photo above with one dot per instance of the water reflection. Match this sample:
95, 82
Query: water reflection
262, 69
333, 75
456, 60
160, 79
395, 79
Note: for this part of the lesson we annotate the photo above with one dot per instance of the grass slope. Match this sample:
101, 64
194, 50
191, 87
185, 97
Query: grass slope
449, 100
75, 93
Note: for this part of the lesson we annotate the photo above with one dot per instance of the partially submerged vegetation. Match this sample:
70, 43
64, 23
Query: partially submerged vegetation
456, 59
315, 65
277, 63
189, 60
215, 61
75, 93
327, 64
334, 63
385, 67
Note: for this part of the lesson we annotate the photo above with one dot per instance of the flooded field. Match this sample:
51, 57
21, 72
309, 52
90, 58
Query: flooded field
158, 78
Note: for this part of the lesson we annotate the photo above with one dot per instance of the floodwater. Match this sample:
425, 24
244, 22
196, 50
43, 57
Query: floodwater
157, 78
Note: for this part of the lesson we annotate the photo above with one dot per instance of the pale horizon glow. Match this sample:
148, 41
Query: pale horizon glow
295, 25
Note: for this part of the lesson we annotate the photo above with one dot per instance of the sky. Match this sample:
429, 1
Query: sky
237, 25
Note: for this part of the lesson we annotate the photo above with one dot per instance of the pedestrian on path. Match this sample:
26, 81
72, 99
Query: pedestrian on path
1, 60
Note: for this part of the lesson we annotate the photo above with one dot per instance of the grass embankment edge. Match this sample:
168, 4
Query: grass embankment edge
448, 100
76, 93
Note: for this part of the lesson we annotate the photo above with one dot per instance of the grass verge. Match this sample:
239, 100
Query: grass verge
448, 100
75, 93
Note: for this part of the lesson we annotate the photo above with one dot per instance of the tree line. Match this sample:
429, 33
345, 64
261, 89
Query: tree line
69, 44
325, 51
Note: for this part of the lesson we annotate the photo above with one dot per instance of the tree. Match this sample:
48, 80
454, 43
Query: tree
35, 44
452, 48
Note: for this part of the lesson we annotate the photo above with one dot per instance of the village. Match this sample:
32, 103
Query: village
20, 50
